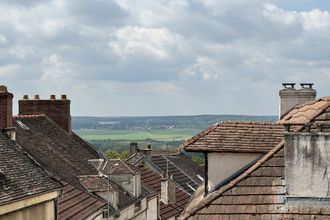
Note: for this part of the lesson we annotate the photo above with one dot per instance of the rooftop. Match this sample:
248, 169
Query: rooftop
77, 204
20, 176
236, 137
153, 180
62, 154
184, 171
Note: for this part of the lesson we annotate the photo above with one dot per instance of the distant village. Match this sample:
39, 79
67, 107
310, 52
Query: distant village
252, 170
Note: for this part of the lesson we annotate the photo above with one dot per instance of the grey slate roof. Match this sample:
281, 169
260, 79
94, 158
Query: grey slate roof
62, 154
184, 171
20, 175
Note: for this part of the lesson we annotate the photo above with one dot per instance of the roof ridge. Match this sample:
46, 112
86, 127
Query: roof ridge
28, 116
213, 196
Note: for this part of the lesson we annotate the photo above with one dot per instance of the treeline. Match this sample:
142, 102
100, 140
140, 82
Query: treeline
123, 145
160, 122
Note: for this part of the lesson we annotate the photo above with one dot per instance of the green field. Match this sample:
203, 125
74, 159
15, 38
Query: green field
136, 135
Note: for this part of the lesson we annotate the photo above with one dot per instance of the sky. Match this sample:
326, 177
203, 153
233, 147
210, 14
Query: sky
164, 57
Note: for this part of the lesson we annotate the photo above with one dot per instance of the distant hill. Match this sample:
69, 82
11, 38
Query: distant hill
160, 122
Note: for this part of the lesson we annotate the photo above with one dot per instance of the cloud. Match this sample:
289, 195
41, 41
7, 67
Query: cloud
135, 41
180, 56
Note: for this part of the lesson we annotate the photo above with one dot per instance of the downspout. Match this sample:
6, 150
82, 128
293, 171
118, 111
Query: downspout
206, 180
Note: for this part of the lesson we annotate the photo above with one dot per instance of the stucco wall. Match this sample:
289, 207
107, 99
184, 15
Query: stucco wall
152, 212
131, 213
41, 211
223, 165
307, 164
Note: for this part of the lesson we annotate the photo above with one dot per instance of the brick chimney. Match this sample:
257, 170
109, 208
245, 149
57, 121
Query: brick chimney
290, 97
167, 194
307, 165
56, 109
6, 108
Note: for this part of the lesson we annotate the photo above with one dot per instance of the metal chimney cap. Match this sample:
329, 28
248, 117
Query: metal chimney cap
289, 85
307, 85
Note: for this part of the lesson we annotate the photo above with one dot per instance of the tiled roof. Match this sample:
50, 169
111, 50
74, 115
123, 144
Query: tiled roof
118, 167
259, 192
153, 180
77, 204
95, 183
20, 176
62, 154
236, 137
303, 114
184, 171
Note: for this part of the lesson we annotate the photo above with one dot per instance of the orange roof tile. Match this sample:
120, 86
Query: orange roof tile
304, 114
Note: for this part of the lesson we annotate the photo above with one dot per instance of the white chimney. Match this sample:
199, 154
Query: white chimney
290, 97
168, 190
307, 164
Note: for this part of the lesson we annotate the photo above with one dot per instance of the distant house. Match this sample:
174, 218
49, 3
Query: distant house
26, 190
288, 181
43, 130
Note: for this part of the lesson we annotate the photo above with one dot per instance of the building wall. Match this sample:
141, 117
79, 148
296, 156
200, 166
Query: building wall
152, 212
41, 211
307, 164
223, 165
132, 213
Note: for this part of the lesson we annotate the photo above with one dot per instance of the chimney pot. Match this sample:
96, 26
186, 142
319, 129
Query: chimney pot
52, 97
289, 85
25, 97
3, 89
63, 97
36, 97
306, 85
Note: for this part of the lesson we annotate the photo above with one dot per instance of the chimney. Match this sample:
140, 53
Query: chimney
56, 109
167, 194
290, 97
6, 108
307, 165
133, 148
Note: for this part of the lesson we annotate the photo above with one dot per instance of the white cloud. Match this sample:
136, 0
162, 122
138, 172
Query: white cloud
316, 20
55, 68
210, 50
150, 42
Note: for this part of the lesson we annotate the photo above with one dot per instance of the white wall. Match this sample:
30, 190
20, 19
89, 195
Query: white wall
307, 164
41, 211
152, 212
223, 165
